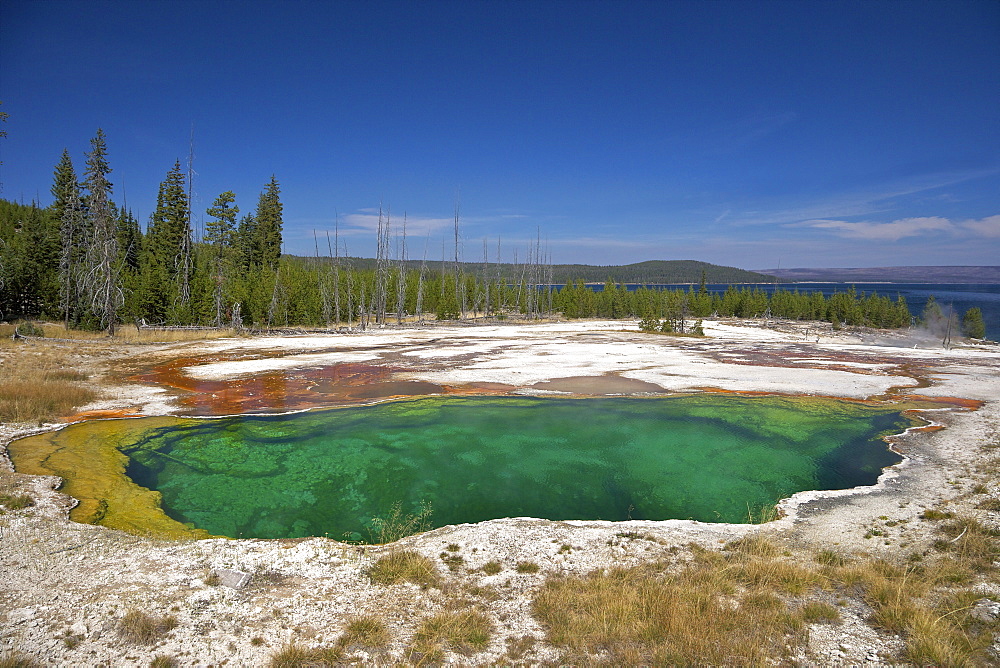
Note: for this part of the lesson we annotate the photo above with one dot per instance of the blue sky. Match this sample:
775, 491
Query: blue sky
740, 133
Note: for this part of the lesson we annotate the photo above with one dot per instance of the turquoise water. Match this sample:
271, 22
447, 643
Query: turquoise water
331, 472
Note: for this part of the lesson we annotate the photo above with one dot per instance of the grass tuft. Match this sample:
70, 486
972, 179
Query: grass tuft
816, 612
397, 524
464, 631
365, 631
17, 661
16, 502
830, 558
143, 629
404, 566
492, 567
642, 616
293, 655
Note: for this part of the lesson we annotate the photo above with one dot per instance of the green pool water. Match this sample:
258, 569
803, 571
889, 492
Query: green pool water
330, 472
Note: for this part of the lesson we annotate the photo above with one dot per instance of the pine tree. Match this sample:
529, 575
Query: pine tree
220, 233
220, 230
102, 280
70, 214
246, 243
168, 226
129, 241
267, 232
167, 266
973, 325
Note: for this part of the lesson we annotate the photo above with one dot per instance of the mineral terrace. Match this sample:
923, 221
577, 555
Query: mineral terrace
64, 585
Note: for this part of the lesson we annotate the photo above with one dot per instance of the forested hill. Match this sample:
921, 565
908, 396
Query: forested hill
650, 272
892, 274
658, 271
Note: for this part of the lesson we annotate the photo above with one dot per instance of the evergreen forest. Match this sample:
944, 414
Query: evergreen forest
85, 260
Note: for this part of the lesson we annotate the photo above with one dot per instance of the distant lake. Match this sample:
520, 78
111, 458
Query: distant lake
959, 296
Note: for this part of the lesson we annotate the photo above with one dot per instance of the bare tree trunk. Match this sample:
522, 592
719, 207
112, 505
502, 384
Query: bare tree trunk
548, 277
401, 277
459, 277
322, 282
336, 267
486, 280
501, 289
218, 284
185, 258
420, 282
274, 297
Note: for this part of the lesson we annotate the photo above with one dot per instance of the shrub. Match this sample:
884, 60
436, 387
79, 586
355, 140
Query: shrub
649, 323
28, 328
526, 567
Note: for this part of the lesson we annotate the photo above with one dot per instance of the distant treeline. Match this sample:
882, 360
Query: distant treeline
848, 307
86, 261
652, 272
236, 281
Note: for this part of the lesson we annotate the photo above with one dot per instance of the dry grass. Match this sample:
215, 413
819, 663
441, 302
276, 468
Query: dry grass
297, 656
463, 631
124, 334
928, 603
16, 502
404, 566
38, 383
40, 379
645, 616
163, 661
492, 567
398, 524
144, 629
365, 631
749, 604
17, 661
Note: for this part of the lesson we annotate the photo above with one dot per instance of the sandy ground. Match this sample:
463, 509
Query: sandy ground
63, 585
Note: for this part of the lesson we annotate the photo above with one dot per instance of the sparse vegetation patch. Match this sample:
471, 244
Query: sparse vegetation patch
144, 629
404, 566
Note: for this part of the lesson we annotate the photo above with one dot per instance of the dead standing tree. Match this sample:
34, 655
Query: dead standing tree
401, 276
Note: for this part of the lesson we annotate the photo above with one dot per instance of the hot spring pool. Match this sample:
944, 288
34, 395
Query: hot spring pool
330, 472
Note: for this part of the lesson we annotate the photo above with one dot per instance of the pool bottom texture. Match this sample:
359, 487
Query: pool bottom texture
714, 458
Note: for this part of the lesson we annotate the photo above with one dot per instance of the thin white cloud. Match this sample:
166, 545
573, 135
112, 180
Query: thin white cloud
366, 222
853, 204
988, 227
892, 231
747, 131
